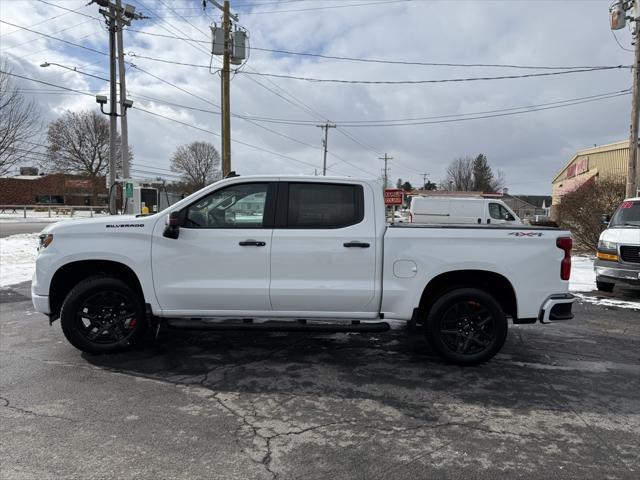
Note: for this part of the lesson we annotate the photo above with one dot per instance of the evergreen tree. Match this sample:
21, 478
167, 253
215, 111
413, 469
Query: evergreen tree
483, 180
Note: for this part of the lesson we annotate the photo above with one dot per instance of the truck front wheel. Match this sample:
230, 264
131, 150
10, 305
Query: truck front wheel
466, 326
102, 315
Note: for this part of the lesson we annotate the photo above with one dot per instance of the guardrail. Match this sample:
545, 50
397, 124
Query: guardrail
56, 210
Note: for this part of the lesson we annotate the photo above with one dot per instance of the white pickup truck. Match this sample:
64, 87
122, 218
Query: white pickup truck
298, 253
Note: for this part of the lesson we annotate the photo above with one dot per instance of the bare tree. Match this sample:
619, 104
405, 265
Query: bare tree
459, 175
581, 210
473, 174
79, 143
19, 123
197, 163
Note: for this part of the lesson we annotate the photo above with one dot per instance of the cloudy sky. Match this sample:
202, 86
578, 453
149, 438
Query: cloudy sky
529, 147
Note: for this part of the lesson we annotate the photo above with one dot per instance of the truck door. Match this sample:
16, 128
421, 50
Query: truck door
323, 254
219, 264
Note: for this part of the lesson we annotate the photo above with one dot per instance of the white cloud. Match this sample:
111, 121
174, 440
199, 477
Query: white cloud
530, 147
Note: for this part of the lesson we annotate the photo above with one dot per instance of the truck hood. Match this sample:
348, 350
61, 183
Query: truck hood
101, 224
627, 235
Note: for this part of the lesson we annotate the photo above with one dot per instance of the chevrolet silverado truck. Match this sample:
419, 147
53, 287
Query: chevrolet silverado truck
298, 254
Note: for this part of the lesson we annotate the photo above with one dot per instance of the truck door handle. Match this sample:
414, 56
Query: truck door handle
356, 244
252, 243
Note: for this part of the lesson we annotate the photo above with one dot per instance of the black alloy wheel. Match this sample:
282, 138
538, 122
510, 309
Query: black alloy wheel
466, 326
102, 314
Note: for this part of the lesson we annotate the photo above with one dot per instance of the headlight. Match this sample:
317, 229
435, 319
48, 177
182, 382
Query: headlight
607, 245
45, 241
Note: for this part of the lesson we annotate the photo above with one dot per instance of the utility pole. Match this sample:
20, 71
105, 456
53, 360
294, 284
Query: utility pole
618, 16
124, 135
232, 47
226, 101
326, 128
635, 112
112, 107
386, 159
424, 179
117, 17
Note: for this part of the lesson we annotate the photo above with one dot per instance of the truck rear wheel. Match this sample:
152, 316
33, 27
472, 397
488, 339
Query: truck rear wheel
466, 326
102, 315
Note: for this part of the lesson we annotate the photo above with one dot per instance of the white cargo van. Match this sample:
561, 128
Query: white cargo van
445, 209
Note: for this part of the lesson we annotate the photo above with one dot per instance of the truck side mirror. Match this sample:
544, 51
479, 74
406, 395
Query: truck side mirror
172, 230
606, 218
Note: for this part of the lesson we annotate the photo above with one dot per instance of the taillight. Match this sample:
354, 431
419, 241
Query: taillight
565, 244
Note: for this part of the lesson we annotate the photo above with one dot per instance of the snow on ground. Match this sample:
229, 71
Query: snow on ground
43, 217
609, 302
17, 258
583, 278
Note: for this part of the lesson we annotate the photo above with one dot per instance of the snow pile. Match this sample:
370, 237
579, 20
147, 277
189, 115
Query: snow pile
583, 278
17, 258
609, 302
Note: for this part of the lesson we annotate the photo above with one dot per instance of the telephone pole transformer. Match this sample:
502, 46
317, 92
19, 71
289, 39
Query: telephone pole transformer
326, 128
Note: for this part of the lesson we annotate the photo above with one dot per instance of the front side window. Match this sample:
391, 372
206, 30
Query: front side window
498, 212
318, 205
236, 206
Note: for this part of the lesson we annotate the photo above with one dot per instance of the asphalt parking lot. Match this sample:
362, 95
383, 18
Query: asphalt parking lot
560, 401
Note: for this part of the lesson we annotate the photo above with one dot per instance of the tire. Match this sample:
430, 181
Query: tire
103, 315
466, 326
604, 286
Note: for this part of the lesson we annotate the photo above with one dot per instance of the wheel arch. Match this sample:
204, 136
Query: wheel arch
70, 274
493, 283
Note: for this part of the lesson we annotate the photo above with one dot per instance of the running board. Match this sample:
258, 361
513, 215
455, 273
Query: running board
198, 324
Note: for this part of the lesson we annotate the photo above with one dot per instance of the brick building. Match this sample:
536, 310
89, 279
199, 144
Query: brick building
62, 189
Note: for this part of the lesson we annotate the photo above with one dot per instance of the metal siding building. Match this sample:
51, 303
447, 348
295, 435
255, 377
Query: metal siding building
604, 161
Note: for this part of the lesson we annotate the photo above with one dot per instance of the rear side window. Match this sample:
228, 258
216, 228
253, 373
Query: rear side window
324, 205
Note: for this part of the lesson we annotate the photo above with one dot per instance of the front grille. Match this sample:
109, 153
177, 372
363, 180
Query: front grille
630, 254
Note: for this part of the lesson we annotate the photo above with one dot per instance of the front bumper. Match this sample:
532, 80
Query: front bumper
614, 272
40, 302
556, 308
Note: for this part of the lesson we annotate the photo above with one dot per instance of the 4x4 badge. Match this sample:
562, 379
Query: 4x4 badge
526, 234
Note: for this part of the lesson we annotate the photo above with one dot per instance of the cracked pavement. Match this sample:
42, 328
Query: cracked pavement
559, 401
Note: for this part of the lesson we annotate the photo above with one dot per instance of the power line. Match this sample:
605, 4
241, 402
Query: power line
443, 80
374, 123
46, 83
390, 62
256, 147
421, 63
55, 38
329, 7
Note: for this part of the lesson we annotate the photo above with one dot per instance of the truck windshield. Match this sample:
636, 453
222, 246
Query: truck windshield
627, 215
